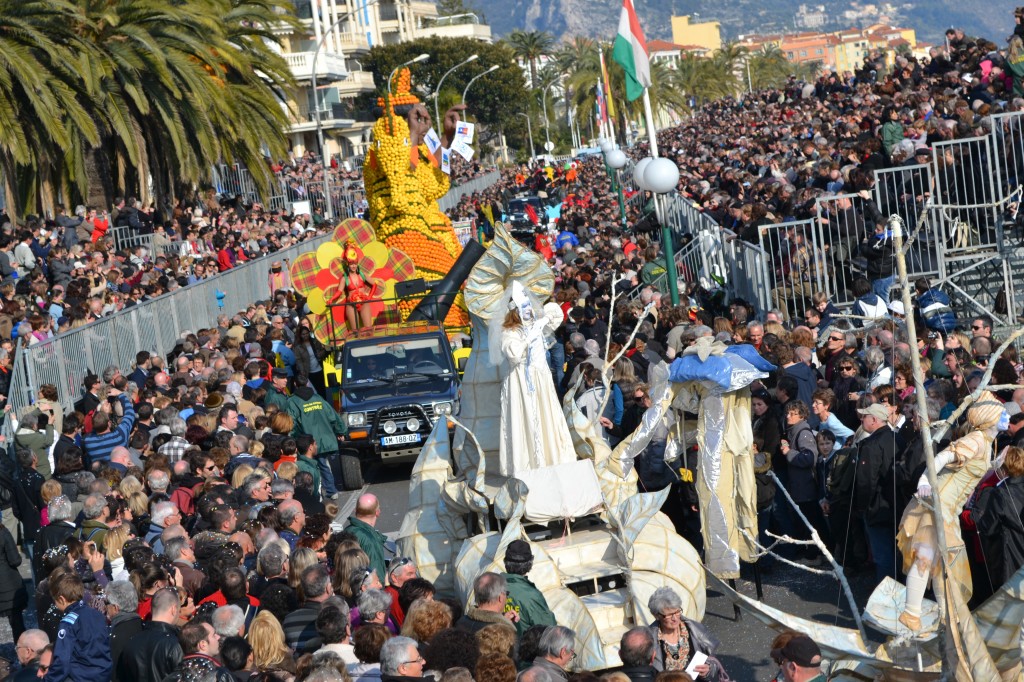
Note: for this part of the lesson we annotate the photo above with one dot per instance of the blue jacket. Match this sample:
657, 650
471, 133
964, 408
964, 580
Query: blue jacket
82, 649
566, 238
936, 311
287, 356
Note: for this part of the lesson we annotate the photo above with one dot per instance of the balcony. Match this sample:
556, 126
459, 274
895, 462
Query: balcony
357, 83
329, 67
354, 43
481, 32
423, 10
332, 116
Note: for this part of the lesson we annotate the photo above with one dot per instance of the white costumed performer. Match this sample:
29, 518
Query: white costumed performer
533, 429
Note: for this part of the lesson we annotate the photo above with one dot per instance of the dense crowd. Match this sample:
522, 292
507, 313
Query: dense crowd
181, 522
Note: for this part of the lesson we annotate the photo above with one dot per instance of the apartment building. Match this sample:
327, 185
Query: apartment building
345, 30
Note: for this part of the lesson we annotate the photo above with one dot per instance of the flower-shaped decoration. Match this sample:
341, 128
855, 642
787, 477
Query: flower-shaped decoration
320, 277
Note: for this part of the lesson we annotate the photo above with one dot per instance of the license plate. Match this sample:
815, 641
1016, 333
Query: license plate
402, 439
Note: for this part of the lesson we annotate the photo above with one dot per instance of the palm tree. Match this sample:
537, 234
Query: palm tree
582, 83
184, 86
530, 46
702, 79
44, 112
578, 50
730, 61
768, 67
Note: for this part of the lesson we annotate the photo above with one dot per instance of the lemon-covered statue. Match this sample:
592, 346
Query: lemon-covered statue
403, 181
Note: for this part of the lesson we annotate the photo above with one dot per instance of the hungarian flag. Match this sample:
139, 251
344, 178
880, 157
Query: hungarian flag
630, 51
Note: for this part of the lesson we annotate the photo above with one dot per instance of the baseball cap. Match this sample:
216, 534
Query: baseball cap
801, 650
279, 373
877, 410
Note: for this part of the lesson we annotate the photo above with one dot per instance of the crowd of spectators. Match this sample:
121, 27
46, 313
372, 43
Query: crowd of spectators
180, 521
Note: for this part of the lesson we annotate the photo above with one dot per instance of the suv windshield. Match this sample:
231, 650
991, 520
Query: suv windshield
411, 365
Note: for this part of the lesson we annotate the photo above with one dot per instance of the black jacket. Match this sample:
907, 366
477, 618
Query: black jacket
123, 628
151, 655
998, 515
644, 673
13, 595
873, 488
28, 503
49, 537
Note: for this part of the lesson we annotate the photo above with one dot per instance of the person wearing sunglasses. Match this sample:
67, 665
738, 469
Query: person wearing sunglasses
401, 570
45, 659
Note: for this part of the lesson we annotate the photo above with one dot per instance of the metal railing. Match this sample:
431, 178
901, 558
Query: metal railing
455, 194
155, 326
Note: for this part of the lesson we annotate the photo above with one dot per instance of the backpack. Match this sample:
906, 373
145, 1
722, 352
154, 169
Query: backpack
841, 476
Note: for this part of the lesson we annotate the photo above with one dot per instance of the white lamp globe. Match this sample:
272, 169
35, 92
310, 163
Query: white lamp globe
638, 172
616, 158
661, 175
606, 145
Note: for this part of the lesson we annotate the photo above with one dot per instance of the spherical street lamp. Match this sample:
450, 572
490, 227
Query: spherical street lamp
638, 172
616, 158
661, 175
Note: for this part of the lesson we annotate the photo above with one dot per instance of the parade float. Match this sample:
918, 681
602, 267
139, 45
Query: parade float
601, 547
350, 281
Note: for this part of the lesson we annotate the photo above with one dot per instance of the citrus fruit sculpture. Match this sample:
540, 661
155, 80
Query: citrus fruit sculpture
403, 183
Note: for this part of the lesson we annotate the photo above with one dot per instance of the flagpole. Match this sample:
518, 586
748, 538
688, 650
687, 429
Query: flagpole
652, 132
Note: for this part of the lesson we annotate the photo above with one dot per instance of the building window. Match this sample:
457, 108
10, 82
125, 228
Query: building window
789, 55
819, 51
803, 53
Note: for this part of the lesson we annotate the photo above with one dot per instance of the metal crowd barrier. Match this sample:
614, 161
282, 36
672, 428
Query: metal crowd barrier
958, 195
455, 194
155, 326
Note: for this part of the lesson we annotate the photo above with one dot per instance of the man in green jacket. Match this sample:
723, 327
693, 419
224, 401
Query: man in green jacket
277, 390
317, 418
363, 526
523, 596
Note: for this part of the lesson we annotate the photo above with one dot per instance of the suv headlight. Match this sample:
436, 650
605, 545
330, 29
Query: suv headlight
444, 409
355, 418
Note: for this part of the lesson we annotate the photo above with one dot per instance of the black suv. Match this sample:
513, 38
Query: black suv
395, 382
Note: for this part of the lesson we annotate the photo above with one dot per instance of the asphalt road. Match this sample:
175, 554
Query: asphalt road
745, 642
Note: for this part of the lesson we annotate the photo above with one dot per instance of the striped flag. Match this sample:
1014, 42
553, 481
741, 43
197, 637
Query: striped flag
607, 87
630, 50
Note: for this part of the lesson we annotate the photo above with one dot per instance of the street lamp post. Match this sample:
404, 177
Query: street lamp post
415, 60
661, 176
493, 68
437, 93
529, 133
616, 159
329, 207
547, 123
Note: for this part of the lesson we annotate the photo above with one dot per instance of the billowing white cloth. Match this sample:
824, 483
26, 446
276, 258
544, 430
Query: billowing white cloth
533, 430
564, 491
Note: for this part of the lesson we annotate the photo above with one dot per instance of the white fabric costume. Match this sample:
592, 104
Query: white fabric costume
533, 430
